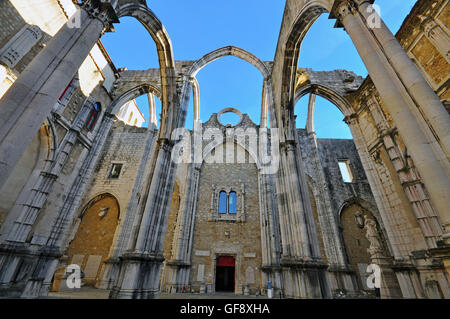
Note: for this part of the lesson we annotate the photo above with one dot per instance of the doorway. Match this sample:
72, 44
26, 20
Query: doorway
225, 273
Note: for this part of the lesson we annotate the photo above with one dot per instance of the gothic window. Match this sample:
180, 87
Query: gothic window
115, 171
228, 203
68, 92
346, 173
93, 116
222, 202
232, 200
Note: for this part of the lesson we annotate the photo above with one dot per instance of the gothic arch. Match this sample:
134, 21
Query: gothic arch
156, 29
132, 94
305, 19
94, 200
360, 202
166, 61
334, 97
215, 55
227, 51
27, 174
370, 208
93, 236
209, 148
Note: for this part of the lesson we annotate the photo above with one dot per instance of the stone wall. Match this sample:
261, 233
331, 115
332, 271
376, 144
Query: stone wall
241, 239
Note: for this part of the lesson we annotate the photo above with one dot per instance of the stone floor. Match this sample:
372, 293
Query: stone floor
93, 293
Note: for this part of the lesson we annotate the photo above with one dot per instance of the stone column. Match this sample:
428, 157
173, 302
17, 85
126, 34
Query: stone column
303, 271
263, 120
21, 228
153, 122
310, 116
410, 76
270, 237
47, 256
133, 211
437, 36
196, 94
29, 101
141, 264
178, 269
390, 88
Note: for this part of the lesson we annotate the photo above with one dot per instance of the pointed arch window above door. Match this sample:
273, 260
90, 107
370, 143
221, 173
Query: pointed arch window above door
222, 202
232, 203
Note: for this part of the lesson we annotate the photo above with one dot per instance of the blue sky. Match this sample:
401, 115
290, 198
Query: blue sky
198, 27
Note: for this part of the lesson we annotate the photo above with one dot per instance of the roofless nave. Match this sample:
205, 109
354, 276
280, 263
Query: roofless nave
259, 202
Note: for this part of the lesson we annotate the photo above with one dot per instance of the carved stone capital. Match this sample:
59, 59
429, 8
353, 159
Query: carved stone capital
351, 120
288, 146
428, 26
165, 144
342, 10
358, 3
102, 10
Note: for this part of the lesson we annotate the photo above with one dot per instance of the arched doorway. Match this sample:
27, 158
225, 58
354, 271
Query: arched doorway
356, 244
91, 245
225, 273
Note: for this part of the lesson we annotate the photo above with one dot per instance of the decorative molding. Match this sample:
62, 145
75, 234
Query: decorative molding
19, 45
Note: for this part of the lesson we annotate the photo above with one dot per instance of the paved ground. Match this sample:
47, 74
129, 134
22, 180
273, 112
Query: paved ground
92, 293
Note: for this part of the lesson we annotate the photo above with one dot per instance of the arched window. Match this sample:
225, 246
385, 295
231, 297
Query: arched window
68, 91
93, 116
232, 201
222, 202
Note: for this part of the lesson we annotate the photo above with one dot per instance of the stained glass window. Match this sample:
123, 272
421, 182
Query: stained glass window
232, 200
222, 203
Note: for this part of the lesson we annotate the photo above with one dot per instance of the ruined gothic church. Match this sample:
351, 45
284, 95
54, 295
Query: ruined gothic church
223, 207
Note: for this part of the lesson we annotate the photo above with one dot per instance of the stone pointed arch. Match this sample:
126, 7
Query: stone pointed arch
132, 94
242, 54
153, 25
334, 97
304, 20
209, 148
227, 51
289, 55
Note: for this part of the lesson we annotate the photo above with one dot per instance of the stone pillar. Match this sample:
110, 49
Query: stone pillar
132, 213
47, 257
390, 88
196, 94
153, 122
310, 116
437, 36
410, 76
409, 179
178, 268
263, 120
22, 226
141, 265
29, 101
303, 271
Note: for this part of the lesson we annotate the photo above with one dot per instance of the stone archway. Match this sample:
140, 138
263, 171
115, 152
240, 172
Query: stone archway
191, 82
355, 241
92, 243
